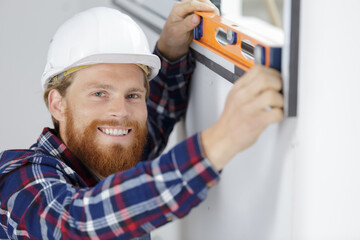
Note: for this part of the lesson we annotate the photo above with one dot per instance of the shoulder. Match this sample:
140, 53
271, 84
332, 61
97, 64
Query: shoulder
26, 156
13, 160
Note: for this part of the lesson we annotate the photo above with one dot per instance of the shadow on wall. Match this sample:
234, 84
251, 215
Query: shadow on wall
270, 11
253, 199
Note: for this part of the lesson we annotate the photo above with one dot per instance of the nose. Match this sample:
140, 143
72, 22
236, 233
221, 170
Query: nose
118, 108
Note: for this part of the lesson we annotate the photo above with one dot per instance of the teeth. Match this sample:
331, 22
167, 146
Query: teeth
115, 132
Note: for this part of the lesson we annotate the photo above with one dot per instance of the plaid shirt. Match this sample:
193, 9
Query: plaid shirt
46, 193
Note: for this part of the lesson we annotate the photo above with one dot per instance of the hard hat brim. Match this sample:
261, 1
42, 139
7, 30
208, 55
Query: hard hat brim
150, 60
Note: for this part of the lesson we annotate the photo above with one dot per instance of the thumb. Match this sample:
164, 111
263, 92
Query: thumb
195, 20
191, 21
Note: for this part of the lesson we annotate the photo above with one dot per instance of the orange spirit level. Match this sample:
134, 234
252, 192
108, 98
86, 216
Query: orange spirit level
226, 39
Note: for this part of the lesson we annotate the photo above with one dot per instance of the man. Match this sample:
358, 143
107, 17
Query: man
83, 179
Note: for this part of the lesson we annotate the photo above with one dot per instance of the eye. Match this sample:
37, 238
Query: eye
99, 94
134, 96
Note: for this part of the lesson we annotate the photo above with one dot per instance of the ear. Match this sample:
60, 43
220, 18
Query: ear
57, 105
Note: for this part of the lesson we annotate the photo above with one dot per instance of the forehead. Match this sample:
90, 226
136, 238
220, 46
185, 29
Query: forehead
109, 73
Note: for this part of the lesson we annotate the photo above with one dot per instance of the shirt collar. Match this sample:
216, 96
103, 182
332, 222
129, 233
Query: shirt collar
52, 145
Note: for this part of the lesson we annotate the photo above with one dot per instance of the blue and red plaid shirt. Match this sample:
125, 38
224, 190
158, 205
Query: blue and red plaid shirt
47, 193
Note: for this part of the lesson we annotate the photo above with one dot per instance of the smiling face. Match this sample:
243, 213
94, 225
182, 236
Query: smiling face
103, 116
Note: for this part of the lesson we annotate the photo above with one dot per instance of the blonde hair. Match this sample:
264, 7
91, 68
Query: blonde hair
61, 86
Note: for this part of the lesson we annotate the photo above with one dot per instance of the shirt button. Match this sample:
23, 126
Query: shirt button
209, 184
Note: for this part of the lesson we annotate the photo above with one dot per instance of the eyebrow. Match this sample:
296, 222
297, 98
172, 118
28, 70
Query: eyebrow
136, 90
110, 87
99, 85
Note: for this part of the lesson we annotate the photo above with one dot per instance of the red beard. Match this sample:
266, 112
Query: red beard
104, 160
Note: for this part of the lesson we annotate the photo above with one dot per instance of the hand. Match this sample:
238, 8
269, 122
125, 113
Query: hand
176, 36
245, 116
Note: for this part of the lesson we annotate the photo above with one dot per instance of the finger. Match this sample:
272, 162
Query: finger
257, 91
251, 75
217, 11
273, 115
264, 80
188, 24
268, 99
246, 79
182, 9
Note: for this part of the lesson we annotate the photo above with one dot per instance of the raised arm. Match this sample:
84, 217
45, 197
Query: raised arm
176, 36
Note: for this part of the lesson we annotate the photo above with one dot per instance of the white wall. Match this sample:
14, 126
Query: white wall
327, 179
26, 28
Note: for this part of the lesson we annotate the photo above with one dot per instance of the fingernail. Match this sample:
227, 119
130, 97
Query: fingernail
195, 19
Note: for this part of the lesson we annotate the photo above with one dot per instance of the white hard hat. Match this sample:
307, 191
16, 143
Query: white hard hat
98, 35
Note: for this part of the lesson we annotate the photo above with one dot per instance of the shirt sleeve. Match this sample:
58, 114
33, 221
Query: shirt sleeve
44, 202
167, 101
